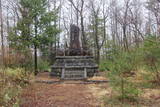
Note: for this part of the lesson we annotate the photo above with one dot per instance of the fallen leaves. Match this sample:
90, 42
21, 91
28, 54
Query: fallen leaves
58, 95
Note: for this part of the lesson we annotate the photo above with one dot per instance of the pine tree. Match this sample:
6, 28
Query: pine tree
35, 28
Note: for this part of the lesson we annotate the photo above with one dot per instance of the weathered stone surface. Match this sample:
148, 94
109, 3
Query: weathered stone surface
75, 48
76, 64
74, 37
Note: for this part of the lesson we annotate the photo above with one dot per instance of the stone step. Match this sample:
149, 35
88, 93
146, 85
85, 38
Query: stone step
73, 74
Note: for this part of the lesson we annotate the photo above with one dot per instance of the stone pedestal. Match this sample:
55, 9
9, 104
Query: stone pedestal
75, 64
74, 67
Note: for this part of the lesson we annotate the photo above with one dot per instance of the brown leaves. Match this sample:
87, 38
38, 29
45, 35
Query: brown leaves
57, 95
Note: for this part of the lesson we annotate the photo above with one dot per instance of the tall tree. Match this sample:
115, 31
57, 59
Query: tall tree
80, 12
2, 36
114, 13
136, 22
98, 28
124, 20
154, 7
35, 27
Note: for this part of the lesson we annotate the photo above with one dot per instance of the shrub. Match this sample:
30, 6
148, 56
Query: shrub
18, 58
43, 65
11, 83
121, 70
103, 66
152, 56
18, 75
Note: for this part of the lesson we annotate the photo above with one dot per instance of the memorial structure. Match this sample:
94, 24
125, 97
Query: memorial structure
74, 62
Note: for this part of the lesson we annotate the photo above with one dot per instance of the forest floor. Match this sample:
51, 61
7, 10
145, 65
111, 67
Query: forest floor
77, 94
65, 94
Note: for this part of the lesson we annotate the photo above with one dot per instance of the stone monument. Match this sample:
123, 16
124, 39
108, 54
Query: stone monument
75, 48
75, 62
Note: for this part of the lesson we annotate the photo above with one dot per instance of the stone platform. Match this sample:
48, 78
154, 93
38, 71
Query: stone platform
74, 67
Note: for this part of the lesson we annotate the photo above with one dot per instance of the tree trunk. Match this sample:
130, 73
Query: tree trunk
98, 56
60, 11
35, 49
125, 38
8, 30
77, 17
55, 23
2, 36
84, 44
97, 40
35, 60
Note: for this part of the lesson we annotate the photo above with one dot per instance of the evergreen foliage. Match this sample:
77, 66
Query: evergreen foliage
36, 28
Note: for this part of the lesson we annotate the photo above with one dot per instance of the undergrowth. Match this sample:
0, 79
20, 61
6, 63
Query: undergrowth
11, 83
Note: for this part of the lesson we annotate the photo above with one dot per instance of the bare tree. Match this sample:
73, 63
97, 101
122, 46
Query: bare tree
136, 21
154, 7
105, 14
99, 38
80, 12
2, 36
124, 20
114, 15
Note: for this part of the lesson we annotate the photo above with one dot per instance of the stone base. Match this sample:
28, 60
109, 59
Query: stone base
74, 67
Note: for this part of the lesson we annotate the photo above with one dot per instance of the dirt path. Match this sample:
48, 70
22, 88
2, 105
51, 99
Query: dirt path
62, 95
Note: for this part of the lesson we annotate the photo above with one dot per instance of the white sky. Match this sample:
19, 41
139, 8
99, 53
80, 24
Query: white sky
66, 14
